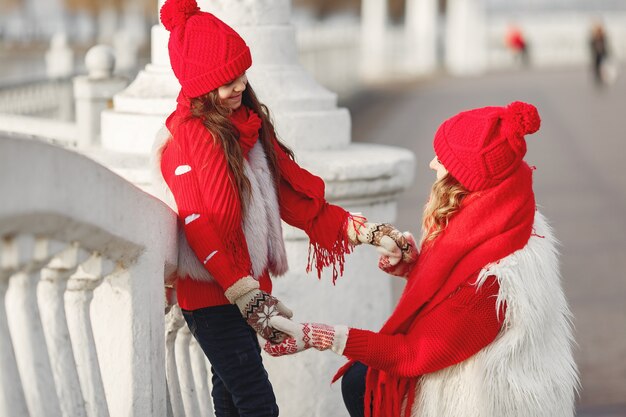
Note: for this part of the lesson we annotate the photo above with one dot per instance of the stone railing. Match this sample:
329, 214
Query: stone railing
83, 256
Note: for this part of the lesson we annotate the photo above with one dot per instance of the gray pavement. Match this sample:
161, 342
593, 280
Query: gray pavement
580, 184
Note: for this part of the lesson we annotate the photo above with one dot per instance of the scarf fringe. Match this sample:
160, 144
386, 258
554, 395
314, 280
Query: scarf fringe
322, 257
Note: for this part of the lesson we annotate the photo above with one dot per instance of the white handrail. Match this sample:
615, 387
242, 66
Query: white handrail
117, 324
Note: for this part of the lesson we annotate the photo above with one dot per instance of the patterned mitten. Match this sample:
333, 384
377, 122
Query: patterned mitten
395, 266
307, 335
258, 307
382, 235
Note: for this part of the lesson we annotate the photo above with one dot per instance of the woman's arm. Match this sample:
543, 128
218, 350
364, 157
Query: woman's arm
456, 329
453, 331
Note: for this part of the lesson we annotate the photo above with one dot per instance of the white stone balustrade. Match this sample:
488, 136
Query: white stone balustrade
83, 256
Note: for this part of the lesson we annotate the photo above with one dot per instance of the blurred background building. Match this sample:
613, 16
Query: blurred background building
94, 77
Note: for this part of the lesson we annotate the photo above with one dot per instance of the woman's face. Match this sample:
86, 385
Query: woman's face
436, 166
230, 94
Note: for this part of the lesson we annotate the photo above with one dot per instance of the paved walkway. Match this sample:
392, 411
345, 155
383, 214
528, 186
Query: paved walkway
580, 182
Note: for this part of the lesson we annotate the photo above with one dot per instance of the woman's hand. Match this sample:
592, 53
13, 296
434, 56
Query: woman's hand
399, 266
382, 235
303, 336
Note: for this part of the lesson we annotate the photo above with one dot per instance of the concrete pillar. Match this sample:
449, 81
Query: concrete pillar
93, 93
374, 16
466, 44
59, 58
421, 18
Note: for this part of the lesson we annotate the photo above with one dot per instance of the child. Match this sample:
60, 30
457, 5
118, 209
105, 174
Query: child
233, 181
483, 327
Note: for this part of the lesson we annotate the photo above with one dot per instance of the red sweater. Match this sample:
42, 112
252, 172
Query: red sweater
450, 332
195, 169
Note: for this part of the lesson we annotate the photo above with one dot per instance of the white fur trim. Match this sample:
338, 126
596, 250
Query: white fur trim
529, 369
262, 224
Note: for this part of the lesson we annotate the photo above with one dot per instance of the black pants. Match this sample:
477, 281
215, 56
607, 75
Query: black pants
353, 389
241, 387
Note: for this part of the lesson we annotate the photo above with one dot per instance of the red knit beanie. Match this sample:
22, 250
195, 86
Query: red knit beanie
482, 147
205, 52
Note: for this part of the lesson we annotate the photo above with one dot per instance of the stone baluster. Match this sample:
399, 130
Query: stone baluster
421, 18
59, 58
78, 298
174, 321
185, 372
12, 400
201, 378
93, 93
27, 331
51, 292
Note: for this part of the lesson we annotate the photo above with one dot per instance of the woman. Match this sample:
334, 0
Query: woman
232, 181
482, 328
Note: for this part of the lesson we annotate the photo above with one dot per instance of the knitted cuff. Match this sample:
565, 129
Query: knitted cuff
241, 287
340, 339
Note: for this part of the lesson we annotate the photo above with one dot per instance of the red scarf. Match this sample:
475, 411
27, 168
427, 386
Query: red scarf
490, 225
248, 123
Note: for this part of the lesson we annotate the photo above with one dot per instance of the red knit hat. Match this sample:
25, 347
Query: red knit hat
482, 147
205, 52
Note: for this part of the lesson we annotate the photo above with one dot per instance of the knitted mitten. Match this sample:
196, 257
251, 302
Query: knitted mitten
257, 307
397, 267
307, 335
382, 235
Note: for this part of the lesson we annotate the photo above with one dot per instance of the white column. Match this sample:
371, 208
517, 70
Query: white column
421, 18
93, 93
52, 305
12, 400
78, 297
374, 17
465, 42
28, 335
173, 322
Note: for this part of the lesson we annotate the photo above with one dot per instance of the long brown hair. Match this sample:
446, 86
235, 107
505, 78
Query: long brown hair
445, 201
215, 117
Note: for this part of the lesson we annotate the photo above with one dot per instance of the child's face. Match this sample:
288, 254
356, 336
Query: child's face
230, 94
436, 166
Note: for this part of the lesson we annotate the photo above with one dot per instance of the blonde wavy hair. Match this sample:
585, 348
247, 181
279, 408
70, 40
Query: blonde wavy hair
445, 201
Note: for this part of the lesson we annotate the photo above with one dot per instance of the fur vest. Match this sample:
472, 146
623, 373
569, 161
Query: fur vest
528, 371
261, 223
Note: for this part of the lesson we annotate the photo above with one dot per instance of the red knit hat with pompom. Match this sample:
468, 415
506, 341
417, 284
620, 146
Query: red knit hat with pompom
205, 52
482, 147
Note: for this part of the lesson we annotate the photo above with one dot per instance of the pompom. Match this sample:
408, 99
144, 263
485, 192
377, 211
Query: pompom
525, 117
176, 12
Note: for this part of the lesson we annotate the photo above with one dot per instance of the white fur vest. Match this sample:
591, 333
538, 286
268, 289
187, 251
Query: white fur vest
528, 371
261, 223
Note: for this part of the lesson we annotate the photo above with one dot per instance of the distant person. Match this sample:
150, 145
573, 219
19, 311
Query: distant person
518, 45
599, 54
482, 327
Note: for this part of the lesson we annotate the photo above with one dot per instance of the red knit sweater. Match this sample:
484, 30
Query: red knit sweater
449, 333
195, 168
